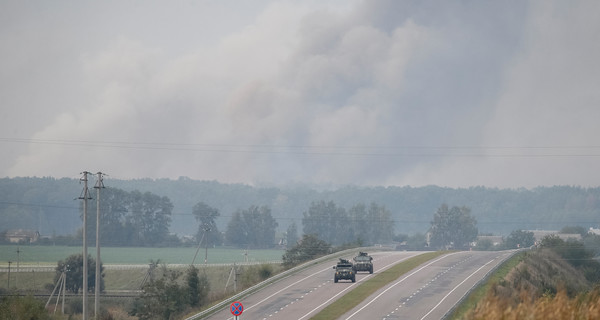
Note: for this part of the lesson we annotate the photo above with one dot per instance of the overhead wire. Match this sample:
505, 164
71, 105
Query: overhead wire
339, 150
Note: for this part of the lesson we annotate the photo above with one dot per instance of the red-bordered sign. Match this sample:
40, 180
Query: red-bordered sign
236, 308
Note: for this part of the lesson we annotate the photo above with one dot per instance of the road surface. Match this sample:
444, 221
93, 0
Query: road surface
430, 290
426, 292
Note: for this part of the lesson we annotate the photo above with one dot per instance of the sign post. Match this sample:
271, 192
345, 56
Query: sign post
236, 309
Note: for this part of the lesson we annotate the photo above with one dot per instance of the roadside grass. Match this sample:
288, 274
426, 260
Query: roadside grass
364, 290
479, 293
128, 279
220, 278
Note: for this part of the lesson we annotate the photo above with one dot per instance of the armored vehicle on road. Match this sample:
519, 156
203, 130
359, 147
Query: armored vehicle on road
363, 262
344, 270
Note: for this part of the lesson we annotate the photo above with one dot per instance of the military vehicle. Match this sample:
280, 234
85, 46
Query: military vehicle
344, 270
363, 262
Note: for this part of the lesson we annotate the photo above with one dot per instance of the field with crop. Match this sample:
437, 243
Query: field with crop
45, 255
118, 278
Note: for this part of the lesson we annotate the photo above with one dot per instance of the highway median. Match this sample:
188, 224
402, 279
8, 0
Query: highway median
367, 288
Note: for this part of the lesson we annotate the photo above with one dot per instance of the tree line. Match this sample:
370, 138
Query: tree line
361, 224
48, 205
143, 219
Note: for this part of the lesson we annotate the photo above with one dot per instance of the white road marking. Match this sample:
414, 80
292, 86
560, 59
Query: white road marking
402, 280
458, 285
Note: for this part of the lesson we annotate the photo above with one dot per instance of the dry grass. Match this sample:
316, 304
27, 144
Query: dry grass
542, 286
559, 307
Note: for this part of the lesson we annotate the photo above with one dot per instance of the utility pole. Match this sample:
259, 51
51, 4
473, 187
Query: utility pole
85, 196
8, 285
18, 260
99, 185
206, 230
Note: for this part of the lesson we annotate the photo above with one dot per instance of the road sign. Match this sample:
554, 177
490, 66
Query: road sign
236, 308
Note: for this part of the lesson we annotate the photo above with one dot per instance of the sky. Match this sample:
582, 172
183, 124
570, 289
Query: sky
371, 93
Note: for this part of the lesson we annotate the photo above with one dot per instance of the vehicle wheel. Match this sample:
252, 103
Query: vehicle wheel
335, 280
353, 279
371, 270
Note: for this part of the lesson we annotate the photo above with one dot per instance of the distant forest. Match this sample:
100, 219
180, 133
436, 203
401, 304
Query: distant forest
51, 206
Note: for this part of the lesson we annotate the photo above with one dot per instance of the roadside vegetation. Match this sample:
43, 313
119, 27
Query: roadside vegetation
558, 280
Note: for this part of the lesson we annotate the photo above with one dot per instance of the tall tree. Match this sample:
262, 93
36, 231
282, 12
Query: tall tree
236, 234
197, 286
359, 227
114, 208
253, 227
453, 227
150, 218
260, 226
325, 220
207, 229
380, 224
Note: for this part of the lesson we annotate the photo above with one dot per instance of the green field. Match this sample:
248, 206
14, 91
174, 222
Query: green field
44, 255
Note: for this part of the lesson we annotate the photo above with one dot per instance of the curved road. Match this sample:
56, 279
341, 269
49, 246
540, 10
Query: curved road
427, 292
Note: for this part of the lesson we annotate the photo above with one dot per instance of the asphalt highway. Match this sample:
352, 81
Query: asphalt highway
427, 292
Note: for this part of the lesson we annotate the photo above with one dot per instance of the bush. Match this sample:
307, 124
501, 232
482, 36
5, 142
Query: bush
310, 247
17, 307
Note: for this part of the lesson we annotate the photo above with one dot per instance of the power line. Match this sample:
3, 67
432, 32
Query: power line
338, 150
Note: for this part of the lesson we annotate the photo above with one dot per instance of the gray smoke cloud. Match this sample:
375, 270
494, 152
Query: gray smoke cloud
350, 92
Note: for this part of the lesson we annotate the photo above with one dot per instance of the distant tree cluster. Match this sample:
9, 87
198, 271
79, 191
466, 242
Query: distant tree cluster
131, 218
361, 225
252, 228
519, 239
453, 228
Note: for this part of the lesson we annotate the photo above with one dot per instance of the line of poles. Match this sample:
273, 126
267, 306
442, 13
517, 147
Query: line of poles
85, 197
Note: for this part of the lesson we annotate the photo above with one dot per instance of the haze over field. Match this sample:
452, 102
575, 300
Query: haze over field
500, 94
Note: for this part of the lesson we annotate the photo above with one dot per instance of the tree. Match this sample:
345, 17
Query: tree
310, 247
197, 287
380, 226
114, 208
574, 230
207, 229
161, 298
359, 224
150, 218
484, 245
326, 221
519, 239
291, 236
453, 227
134, 219
166, 298
235, 234
74, 273
253, 227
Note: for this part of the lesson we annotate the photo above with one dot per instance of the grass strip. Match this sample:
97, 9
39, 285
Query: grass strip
367, 288
480, 292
